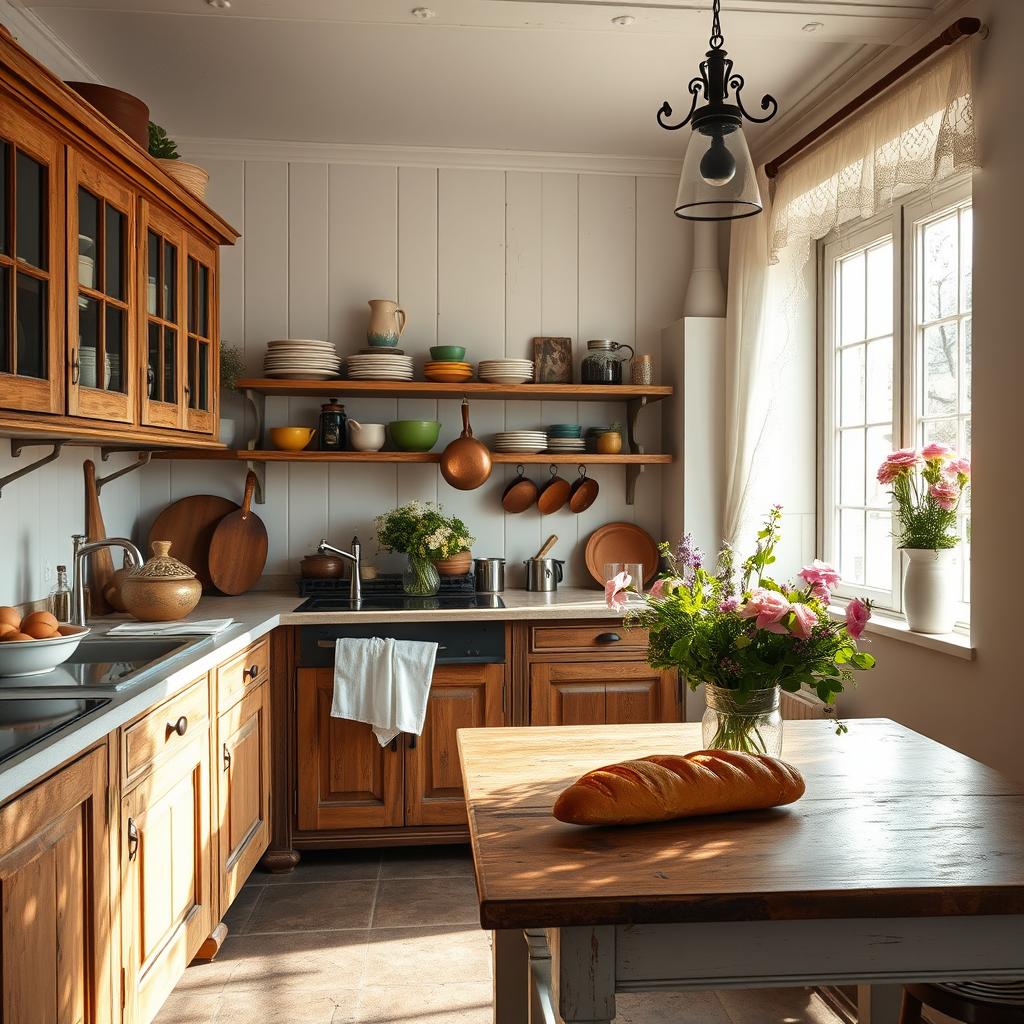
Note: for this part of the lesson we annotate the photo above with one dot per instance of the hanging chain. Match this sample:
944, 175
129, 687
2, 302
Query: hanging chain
717, 39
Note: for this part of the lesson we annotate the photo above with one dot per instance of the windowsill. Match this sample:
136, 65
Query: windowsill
894, 627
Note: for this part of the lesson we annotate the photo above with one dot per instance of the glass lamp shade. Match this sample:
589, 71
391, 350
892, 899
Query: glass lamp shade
718, 180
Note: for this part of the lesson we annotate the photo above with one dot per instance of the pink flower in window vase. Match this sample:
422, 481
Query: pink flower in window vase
927, 490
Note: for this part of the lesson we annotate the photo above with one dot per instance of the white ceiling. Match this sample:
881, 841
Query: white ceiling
537, 75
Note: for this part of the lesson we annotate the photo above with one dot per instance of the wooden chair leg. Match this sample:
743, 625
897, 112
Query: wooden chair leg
910, 1010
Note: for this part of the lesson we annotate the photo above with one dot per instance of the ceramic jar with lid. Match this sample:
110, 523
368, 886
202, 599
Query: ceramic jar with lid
603, 363
163, 589
333, 427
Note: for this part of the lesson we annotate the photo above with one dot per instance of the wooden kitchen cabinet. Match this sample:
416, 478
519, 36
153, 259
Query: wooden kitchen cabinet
601, 693
461, 697
54, 888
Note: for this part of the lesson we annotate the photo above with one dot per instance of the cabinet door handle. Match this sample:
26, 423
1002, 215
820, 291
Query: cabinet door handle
251, 672
412, 740
607, 638
133, 839
75, 367
227, 757
180, 726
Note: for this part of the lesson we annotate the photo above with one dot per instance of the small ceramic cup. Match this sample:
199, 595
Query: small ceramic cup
366, 437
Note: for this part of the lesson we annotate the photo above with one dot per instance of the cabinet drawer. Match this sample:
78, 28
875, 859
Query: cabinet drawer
242, 673
602, 636
167, 728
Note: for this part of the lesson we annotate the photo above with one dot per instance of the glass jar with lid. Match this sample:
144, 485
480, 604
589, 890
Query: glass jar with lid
333, 427
603, 362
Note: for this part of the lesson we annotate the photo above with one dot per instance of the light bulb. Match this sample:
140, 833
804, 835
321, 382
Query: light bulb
717, 165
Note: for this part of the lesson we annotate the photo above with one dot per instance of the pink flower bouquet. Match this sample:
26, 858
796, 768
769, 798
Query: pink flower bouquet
928, 486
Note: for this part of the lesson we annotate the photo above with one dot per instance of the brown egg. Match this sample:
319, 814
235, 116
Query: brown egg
6, 629
40, 625
10, 616
17, 637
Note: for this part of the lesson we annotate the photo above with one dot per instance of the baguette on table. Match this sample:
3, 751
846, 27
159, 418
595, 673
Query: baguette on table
663, 787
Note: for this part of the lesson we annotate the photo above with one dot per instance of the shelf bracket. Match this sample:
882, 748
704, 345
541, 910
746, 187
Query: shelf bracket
259, 409
259, 470
633, 409
17, 444
633, 472
143, 459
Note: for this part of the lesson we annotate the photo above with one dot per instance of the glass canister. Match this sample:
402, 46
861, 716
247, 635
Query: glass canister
603, 362
333, 427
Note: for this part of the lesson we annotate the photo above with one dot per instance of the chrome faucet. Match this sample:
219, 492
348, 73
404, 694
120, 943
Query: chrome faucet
355, 590
132, 560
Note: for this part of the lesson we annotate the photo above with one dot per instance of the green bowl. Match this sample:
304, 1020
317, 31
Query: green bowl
448, 353
414, 435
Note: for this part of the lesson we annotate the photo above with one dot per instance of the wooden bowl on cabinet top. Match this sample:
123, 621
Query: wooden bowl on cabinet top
322, 567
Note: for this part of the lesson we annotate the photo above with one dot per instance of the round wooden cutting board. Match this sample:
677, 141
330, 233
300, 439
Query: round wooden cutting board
189, 524
621, 542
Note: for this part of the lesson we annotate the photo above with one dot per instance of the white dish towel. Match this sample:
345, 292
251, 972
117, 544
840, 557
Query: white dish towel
383, 682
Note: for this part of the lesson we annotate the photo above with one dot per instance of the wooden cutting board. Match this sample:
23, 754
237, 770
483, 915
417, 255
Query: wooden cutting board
101, 563
189, 524
238, 551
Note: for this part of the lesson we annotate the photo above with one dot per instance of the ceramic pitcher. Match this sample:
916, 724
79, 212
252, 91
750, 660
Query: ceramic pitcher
387, 322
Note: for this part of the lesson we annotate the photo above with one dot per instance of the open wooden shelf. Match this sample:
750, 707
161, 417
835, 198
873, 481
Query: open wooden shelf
499, 458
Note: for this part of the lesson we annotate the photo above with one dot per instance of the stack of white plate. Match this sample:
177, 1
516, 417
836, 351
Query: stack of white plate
521, 442
383, 366
505, 371
301, 359
566, 444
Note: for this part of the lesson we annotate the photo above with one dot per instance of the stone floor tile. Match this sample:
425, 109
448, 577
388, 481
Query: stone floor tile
440, 955
411, 902
312, 907
184, 1007
427, 1004
776, 1006
241, 910
670, 1008
294, 961
329, 866
337, 1007
427, 862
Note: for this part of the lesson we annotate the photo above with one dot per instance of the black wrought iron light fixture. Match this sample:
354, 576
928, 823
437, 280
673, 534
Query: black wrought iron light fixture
718, 180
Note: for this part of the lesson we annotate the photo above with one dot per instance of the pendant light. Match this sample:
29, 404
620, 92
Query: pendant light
718, 180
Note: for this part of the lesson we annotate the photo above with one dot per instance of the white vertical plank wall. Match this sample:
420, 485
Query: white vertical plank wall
482, 258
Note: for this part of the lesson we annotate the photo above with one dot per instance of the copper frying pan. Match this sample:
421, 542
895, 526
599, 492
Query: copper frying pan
466, 462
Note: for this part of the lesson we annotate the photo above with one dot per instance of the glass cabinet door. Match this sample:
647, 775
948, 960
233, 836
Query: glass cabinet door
31, 262
201, 356
165, 335
101, 310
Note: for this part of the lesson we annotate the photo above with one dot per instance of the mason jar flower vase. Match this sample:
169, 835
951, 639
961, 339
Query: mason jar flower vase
421, 578
929, 589
752, 725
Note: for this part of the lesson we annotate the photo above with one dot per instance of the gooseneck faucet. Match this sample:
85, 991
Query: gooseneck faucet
132, 560
355, 591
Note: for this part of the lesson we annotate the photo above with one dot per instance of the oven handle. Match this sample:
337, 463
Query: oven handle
329, 645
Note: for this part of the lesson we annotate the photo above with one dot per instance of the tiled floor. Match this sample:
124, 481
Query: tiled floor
394, 938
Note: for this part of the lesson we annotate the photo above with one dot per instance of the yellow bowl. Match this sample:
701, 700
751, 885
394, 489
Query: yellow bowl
291, 439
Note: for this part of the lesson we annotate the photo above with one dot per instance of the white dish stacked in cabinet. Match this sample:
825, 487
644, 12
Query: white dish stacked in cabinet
386, 366
505, 371
301, 359
519, 442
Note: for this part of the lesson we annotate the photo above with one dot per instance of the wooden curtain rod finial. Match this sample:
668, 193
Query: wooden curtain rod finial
960, 29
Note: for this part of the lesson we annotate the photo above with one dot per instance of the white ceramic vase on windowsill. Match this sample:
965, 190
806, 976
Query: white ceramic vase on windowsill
929, 589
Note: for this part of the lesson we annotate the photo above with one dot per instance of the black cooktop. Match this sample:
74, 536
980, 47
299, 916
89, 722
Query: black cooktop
401, 602
25, 721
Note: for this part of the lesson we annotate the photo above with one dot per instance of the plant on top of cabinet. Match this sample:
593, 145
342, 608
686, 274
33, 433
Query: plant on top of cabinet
164, 150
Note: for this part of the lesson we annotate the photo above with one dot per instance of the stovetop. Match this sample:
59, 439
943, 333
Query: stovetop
402, 602
25, 721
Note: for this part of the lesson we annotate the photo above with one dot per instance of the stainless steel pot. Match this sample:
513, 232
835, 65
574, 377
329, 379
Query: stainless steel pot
490, 575
543, 574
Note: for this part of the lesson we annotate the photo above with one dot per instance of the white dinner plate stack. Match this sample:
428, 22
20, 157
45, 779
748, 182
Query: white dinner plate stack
301, 359
505, 371
566, 444
520, 442
383, 366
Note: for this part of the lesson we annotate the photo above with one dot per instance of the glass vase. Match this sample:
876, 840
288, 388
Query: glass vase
753, 725
421, 578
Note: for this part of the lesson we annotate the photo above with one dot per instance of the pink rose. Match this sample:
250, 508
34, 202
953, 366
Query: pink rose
806, 620
730, 604
822, 578
936, 451
945, 494
960, 467
615, 590
905, 457
857, 614
767, 607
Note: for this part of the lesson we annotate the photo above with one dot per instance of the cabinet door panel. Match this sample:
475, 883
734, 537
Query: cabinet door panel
201, 355
55, 897
346, 779
602, 693
461, 697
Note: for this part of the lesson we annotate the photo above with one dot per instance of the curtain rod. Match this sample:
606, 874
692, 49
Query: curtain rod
960, 28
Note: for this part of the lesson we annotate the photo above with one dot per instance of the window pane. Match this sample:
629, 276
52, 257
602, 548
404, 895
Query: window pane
30, 216
966, 257
966, 442
33, 327
940, 265
851, 383
170, 371
88, 233
879, 550
851, 545
117, 381
5, 339
880, 442
204, 300
203, 399
192, 273
851, 299
170, 304
851, 467
114, 244
942, 431
879, 381
153, 369
940, 370
88, 341
152, 269
965, 373
193, 352
5, 156
879, 293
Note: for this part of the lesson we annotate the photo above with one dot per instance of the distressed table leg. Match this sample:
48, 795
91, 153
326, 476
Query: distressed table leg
511, 977
878, 1004
542, 1004
586, 975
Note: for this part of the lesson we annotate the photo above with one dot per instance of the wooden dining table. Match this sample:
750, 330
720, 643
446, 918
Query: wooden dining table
903, 861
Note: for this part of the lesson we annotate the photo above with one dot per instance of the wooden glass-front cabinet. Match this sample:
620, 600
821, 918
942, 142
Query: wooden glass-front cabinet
31, 265
202, 363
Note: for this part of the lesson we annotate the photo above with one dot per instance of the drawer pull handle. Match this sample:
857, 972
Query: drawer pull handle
227, 758
607, 638
251, 672
133, 839
180, 726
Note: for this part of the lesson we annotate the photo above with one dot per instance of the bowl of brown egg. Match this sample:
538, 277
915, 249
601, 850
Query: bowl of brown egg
34, 643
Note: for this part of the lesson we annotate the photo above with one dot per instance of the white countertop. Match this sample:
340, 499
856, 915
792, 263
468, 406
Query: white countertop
255, 615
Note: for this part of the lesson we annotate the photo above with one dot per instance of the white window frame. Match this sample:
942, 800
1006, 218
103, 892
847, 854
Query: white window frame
900, 223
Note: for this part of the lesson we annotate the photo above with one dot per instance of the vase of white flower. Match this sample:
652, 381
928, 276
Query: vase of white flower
422, 531
421, 578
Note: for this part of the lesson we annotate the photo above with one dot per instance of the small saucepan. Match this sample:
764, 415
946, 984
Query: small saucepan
554, 494
520, 494
584, 492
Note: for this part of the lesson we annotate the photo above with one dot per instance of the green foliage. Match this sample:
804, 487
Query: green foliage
232, 366
421, 529
161, 145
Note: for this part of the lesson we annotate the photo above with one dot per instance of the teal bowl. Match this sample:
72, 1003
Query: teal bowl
414, 435
448, 353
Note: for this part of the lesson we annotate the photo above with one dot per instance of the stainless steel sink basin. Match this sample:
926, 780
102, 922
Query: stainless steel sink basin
138, 650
